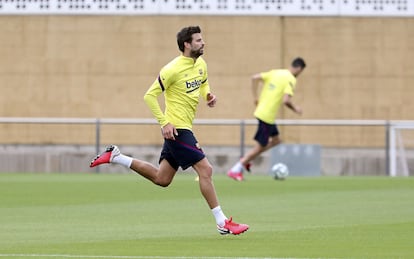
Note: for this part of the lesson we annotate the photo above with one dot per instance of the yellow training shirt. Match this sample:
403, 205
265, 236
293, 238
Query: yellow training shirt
276, 83
182, 81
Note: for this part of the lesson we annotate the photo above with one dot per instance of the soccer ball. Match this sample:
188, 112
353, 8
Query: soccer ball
279, 171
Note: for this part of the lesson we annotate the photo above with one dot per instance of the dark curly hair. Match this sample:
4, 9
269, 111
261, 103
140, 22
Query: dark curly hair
186, 35
299, 62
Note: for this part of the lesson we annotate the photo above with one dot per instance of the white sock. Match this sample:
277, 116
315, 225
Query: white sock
237, 168
123, 160
219, 215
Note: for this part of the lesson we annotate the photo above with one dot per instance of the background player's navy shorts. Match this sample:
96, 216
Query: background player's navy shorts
184, 151
264, 132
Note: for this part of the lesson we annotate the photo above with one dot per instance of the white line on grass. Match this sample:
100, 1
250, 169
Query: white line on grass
140, 257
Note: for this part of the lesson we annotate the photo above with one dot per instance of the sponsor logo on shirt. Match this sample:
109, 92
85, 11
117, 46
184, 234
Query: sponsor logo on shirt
193, 85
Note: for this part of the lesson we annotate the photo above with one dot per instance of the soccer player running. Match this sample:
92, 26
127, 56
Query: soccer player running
277, 86
183, 81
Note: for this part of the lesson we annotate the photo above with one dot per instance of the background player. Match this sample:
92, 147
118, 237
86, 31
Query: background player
182, 81
278, 86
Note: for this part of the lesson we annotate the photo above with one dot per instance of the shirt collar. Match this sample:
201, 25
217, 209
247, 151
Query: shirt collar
188, 59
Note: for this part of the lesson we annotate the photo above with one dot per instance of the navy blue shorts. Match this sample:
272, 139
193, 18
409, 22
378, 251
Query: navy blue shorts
184, 151
264, 132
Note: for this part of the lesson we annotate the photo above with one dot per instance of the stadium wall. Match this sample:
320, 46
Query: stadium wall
100, 66
76, 158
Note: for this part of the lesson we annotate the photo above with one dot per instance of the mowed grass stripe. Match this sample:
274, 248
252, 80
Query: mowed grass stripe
101, 215
134, 257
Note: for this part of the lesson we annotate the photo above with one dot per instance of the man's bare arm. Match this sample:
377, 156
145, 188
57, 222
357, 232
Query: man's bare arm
287, 101
256, 80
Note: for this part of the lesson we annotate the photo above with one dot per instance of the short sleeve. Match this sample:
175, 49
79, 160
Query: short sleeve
289, 88
266, 75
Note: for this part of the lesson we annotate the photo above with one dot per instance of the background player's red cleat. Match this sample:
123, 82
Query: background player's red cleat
231, 227
236, 176
106, 157
247, 166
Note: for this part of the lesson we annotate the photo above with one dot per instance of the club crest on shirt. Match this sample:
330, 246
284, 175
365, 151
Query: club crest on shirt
200, 71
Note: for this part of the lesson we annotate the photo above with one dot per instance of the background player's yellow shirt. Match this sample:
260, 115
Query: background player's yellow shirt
276, 83
182, 81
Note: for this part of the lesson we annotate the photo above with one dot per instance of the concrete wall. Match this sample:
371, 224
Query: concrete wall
100, 66
68, 158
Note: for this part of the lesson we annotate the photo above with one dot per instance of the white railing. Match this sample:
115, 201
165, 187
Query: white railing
389, 125
211, 7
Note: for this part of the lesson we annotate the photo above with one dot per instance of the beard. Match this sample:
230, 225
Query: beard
196, 53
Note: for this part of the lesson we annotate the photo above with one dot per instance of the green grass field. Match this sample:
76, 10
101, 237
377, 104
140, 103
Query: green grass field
124, 216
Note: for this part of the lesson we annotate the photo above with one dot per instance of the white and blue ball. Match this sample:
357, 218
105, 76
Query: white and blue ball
279, 171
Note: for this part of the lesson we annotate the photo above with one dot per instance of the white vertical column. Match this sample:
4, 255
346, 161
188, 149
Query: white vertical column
393, 153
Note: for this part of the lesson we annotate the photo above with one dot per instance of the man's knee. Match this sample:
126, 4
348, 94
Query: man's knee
276, 141
162, 182
205, 171
165, 174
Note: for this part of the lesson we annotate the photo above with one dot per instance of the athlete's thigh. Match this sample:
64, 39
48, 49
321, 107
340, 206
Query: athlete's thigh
264, 132
166, 172
275, 140
184, 150
203, 167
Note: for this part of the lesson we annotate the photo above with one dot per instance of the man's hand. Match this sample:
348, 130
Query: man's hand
287, 100
169, 131
211, 100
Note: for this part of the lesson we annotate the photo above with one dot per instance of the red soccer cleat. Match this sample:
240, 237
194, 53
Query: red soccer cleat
106, 157
238, 176
247, 166
231, 227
